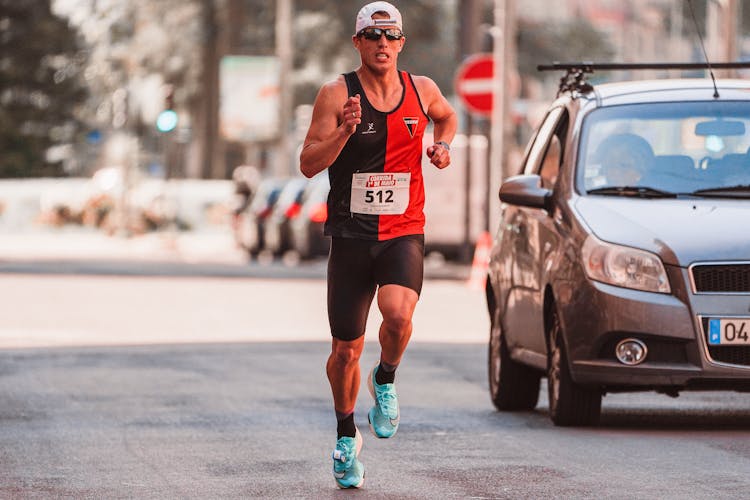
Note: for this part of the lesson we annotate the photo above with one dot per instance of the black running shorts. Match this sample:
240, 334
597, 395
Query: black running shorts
357, 267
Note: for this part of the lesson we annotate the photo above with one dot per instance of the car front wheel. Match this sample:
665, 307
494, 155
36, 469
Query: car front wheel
513, 386
570, 404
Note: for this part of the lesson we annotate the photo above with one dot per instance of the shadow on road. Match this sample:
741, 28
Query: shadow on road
715, 411
679, 419
645, 418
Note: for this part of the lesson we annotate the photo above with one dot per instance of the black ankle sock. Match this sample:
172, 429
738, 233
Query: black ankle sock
345, 425
385, 374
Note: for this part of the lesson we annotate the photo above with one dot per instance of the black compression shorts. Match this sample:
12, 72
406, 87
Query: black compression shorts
357, 267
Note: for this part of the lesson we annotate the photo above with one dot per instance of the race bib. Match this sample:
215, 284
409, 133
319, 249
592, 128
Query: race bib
380, 193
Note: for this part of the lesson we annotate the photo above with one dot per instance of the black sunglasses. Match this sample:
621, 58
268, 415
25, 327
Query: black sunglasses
376, 33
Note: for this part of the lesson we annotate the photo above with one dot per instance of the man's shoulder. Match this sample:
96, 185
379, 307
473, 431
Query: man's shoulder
332, 94
335, 86
424, 83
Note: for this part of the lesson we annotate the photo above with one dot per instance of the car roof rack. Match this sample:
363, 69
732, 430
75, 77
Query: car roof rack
574, 78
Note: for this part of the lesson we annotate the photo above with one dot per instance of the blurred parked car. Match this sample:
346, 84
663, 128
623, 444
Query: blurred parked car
306, 229
622, 259
245, 179
276, 228
249, 223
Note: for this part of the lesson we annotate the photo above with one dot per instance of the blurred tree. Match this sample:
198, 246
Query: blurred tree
135, 43
40, 88
141, 48
542, 43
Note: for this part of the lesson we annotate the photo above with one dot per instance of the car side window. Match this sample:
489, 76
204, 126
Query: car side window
551, 163
549, 167
542, 140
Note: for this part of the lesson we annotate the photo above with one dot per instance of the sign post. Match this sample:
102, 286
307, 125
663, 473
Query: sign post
473, 85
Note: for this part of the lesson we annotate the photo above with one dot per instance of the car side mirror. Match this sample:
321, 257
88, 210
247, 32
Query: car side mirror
526, 191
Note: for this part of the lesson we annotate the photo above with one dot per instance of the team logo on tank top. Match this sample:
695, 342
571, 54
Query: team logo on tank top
411, 124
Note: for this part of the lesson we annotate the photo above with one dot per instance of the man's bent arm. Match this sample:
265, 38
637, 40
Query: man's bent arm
445, 127
327, 137
317, 156
442, 115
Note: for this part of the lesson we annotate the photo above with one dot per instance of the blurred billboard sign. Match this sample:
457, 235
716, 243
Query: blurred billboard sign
249, 100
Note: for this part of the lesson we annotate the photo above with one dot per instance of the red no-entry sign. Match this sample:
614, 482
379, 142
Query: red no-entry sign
474, 83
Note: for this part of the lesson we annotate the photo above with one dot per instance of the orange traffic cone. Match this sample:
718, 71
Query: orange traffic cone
481, 262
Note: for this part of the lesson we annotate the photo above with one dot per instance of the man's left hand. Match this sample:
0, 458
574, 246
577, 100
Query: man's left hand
439, 155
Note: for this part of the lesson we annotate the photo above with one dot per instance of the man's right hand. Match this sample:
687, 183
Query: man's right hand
352, 114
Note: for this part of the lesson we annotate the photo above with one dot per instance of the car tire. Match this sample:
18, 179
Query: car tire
570, 404
513, 386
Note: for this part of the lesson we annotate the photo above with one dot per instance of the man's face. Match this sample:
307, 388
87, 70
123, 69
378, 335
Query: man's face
379, 46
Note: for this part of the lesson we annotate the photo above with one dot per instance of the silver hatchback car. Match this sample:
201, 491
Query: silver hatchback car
622, 260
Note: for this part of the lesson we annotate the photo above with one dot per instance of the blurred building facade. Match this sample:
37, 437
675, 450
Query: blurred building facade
653, 30
128, 40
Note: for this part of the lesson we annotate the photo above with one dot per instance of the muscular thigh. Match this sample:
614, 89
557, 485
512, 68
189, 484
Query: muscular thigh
400, 261
351, 286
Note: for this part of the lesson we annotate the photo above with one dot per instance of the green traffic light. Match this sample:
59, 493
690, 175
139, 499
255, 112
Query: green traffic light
166, 121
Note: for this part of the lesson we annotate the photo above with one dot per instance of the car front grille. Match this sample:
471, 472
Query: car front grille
721, 278
731, 354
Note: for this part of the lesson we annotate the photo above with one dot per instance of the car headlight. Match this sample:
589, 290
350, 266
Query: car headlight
624, 266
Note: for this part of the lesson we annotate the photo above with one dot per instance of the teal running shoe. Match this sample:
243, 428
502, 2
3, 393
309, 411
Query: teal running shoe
347, 469
384, 416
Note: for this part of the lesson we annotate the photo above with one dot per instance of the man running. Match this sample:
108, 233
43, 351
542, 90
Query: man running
367, 128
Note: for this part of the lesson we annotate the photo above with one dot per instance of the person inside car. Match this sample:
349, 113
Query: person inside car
625, 159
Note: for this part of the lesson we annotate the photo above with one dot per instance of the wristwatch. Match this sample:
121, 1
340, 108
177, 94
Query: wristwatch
444, 144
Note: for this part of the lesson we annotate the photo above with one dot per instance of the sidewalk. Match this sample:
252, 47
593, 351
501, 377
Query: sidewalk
201, 253
208, 250
207, 247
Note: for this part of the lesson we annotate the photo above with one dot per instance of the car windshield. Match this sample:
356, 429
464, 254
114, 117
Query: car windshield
666, 149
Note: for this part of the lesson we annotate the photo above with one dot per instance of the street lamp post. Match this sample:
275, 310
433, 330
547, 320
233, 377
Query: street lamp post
497, 167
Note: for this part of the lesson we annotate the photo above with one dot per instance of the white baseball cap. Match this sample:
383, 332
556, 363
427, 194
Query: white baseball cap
365, 20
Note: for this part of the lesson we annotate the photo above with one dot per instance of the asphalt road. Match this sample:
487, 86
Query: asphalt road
191, 387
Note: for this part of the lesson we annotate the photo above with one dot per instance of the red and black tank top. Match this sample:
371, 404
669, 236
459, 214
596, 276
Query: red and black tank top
377, 191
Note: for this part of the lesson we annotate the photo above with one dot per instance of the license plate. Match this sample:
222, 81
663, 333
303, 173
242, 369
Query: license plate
729, 331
